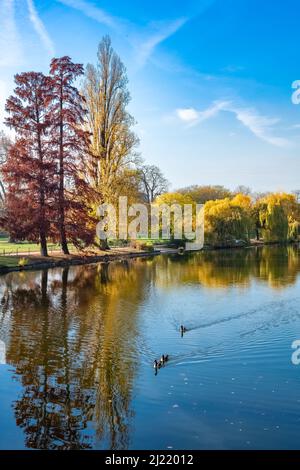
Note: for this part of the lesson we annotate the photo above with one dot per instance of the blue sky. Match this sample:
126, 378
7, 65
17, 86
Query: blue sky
211, 80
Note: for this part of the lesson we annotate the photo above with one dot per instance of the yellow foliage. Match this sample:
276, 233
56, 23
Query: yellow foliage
174, 198
227, 220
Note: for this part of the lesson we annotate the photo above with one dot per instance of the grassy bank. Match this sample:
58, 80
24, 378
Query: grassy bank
21, 263
9, 248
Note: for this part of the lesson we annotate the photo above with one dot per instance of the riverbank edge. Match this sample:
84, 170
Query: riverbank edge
78, 260
74, 260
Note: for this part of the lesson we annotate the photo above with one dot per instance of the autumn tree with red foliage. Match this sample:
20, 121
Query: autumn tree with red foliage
29, 171
47, 193
70, 141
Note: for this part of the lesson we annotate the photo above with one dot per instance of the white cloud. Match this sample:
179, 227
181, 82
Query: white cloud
40, 28
190, 115
10, 45
91, 11
144, 41
145, 47
213, 110
261, 126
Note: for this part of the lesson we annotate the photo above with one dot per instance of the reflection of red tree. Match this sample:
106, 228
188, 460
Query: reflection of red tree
75, 355
53, 410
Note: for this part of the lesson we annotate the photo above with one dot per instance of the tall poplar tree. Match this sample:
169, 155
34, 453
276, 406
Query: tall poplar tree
109, 122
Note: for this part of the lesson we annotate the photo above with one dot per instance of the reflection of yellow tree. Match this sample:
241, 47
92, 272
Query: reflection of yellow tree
278, 266
72, 336
113, 346
72, 340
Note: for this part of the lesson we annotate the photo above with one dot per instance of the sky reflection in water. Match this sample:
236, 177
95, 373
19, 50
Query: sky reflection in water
80, 342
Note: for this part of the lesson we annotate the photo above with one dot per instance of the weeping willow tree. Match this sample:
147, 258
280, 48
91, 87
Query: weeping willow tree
227, 220
279, 217
274, 222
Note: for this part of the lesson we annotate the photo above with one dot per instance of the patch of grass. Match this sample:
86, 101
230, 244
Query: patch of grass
6, 247
154, 241
9, 261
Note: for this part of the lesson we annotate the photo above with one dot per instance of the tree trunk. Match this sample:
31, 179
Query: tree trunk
104, 245
43, 238
257, 234
62, 230
61, 216
64, 288
43, 241
44, 287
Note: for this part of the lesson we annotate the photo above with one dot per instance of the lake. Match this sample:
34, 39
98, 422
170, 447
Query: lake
78, 344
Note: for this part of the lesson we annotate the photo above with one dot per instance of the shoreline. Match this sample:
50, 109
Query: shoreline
37, 263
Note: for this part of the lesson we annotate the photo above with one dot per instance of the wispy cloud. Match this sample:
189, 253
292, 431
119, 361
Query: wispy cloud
92, 11
261, 126
188, 115
145, 47
192, 116
233, 68
40, 28
143, 40
10, 44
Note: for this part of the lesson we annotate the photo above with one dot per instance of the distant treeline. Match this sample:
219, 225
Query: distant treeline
241, 215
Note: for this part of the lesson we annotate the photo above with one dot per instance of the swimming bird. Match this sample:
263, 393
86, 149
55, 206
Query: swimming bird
164, 359
157, 364
182, 329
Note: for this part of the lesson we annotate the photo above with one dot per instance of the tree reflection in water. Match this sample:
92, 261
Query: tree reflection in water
74, 348
278, 266
73, 338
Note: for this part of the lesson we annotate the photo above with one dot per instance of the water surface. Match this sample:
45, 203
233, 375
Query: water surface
77, 346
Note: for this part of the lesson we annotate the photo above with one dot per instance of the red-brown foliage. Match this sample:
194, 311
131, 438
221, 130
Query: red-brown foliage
47, 193
29, 170
70, 146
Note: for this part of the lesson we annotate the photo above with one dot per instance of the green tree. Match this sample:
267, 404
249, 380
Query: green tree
228, 220
202, 194
278, 217
167, 201
274, 223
